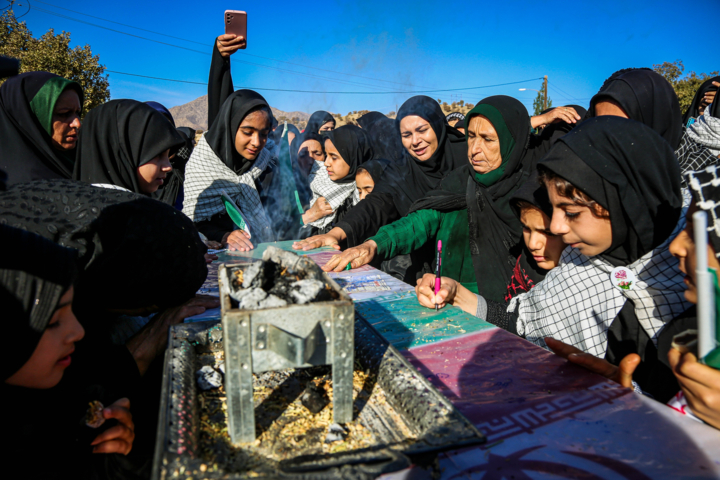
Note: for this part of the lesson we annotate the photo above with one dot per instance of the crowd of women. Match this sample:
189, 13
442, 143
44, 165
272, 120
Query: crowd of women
571, 229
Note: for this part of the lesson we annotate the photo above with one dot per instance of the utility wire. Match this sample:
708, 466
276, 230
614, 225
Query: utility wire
569, 97
318, 91
243, 53
346, 82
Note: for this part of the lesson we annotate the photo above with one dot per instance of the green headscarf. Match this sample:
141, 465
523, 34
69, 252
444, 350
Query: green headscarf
507, 142
43, 104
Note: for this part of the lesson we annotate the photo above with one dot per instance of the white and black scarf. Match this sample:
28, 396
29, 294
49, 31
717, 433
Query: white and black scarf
577, 301
207, 176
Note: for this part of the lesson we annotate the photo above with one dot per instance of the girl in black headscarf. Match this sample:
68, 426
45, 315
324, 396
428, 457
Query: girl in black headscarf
39, 122
383, 136
440, 149
306, 150
368, 174
320, 122
134, 252
697, 107
36, 291
346, 149
138, 256
126, 144
642, 95
231, 159
615, 189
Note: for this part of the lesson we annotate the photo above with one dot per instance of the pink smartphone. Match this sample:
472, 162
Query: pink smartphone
236, 23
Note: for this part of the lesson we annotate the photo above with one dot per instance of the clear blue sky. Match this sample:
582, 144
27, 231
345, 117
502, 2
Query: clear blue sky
420, 45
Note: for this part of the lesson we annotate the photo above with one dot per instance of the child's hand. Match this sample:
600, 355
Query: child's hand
699, 383
118, 439
622, 374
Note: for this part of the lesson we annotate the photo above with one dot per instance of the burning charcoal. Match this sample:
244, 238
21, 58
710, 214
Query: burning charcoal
272, 301
281, 289
208, 378
336, 433
253, 276
306, 291
314, 398
238, 295
260, 275
252, 299
94, 417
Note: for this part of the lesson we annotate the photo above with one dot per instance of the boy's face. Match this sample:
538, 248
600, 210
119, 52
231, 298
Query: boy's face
578, 226
544, 246
683, 248
51, 357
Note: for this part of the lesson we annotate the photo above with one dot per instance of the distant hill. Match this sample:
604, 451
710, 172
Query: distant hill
194, 115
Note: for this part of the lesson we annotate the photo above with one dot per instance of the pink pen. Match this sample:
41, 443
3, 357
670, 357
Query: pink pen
437, 272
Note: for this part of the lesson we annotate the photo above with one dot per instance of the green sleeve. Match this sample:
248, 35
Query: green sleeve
408, 234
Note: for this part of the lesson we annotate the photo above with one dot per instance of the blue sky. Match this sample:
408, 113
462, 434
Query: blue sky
397, 46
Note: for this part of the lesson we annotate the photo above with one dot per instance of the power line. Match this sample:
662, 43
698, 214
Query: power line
346, 82
569, 97
243, 53
318, 91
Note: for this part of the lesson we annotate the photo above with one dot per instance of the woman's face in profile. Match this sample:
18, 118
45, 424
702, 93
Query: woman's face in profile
252, 134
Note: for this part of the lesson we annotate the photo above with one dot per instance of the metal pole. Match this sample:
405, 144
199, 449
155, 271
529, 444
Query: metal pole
545, 93
705, 293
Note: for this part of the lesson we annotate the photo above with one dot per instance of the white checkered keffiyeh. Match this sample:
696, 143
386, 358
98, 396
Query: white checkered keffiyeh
706, 131
335, 193
206, 177
693, 156
705, 185
577, 302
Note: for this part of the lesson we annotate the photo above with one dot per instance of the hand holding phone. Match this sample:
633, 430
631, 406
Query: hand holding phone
228, 44
236, 24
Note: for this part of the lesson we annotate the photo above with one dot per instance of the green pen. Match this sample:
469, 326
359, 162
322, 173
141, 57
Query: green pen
349, 267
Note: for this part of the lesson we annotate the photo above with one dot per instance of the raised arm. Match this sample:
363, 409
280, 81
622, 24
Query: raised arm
220, 85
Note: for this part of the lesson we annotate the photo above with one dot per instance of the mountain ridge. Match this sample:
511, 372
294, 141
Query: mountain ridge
194, 114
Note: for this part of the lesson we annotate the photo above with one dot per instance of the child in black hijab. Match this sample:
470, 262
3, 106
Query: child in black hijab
615, 189
320, 122
36, 291
230, 159
368, 174
126, 144
346, 149
699, 378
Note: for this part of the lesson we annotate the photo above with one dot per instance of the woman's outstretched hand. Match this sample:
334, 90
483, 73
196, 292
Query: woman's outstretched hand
356, 257
228, 44
118, 439
317, 241
621, 374
699, 383
239, 240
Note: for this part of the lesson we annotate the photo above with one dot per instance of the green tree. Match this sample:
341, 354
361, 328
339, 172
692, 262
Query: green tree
684, 87
52, 53
538, 105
